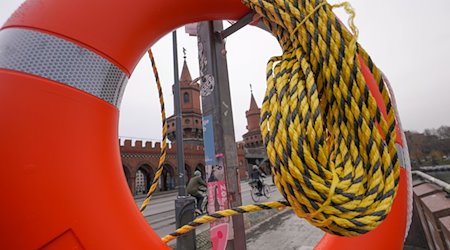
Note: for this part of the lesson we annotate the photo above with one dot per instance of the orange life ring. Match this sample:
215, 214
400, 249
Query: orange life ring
61, 188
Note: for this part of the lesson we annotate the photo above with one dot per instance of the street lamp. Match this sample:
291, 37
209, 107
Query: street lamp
184, 205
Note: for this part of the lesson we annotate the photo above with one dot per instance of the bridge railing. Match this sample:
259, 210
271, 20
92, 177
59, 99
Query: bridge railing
432, 209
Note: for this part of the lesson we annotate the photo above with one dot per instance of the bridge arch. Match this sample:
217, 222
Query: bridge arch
167, 179
201, 167
188, 173
143, 179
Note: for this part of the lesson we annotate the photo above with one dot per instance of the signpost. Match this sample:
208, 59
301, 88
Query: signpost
218, 128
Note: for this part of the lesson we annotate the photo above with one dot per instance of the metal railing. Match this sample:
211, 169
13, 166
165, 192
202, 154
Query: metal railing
445, 186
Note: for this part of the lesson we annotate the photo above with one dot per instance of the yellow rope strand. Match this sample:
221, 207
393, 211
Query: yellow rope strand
162, 156
222, 214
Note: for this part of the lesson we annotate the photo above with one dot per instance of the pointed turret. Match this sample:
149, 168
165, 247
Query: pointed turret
190, 109
253, 114
253, 136
253, 105
185, 78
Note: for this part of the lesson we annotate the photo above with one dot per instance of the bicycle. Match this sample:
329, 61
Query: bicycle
256, 195
204, 206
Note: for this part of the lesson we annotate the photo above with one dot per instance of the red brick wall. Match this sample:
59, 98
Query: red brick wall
147, 156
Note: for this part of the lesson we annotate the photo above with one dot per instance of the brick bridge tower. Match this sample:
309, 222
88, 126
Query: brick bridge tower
191, 117
190, 109
140, 159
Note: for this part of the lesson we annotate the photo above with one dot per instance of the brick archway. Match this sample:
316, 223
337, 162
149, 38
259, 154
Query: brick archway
188, 173
143, 179
167, 179
200, 167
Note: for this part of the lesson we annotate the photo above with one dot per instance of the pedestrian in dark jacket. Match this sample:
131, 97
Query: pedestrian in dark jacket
195, 185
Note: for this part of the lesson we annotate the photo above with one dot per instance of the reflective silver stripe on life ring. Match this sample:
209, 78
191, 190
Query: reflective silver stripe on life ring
60, 60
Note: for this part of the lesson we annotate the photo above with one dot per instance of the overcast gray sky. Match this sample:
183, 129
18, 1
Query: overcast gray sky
408, 40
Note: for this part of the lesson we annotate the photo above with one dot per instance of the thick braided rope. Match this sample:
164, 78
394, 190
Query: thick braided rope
162, 156
222, 214
332, 149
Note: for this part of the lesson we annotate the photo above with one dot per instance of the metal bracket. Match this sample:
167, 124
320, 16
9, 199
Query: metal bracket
248, 18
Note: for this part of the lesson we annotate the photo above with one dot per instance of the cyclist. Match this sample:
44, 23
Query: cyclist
256, 174
195, 186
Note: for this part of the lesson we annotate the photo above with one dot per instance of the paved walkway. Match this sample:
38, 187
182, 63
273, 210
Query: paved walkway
271, 230
283, 231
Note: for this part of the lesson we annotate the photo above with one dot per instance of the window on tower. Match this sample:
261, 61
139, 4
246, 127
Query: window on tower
186, 97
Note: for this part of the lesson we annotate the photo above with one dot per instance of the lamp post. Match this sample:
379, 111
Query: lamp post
184, 205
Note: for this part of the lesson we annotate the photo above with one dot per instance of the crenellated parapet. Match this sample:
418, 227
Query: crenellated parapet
128, 145
133, 146
154, 147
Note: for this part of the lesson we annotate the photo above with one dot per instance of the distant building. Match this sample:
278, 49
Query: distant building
140, 161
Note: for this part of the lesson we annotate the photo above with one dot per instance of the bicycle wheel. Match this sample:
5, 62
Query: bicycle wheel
266, 191
205, 206
255, 194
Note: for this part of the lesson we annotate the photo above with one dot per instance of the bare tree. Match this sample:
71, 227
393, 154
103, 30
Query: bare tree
443, 132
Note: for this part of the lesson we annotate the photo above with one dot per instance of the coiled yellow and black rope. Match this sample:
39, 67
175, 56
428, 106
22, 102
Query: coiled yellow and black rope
332, 150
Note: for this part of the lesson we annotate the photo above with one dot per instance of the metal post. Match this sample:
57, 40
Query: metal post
178, 116
216, 102
184, 205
